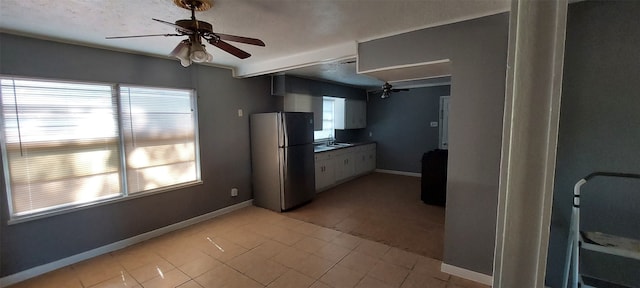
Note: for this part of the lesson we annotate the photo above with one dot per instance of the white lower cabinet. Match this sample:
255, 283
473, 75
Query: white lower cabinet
325, 173
370, 157
340, 164
344, 165
365, 158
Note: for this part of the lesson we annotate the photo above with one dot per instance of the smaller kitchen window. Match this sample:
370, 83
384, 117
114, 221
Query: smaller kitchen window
328, 110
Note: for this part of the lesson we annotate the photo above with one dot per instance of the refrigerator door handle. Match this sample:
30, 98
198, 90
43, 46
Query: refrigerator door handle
283, 177
283, 124
283, 159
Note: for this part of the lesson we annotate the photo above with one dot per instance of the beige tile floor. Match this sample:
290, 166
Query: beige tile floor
254, 247
381, 207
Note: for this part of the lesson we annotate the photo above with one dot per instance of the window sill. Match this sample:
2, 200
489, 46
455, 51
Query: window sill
26, 218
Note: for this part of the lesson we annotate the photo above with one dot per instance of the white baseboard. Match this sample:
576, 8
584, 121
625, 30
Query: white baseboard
467, 274
42, 269
412, 174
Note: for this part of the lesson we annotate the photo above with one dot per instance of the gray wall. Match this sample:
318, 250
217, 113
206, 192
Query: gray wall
224, 142
478, 51
599, 123
400, 125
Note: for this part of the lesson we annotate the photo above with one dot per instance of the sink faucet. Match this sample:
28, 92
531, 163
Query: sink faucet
331, 140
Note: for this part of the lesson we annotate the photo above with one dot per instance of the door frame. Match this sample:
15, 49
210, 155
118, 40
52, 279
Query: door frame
529, 141
442, 114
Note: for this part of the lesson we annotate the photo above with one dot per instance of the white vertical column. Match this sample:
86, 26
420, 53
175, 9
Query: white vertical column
531, 116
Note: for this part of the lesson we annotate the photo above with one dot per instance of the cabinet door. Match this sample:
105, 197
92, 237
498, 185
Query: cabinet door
339, 113
316, 108
356, 114
359, 161
361, 115
328, 174
325, 173
319, 174
305, 103
340, 163
350, 114
344, 165
370, 160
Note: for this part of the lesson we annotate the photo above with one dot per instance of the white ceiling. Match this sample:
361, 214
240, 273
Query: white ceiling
297, 33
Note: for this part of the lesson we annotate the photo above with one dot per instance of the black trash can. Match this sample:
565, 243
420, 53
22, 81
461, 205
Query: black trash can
434, 177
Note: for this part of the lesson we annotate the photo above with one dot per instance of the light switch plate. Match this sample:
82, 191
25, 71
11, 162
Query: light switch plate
434, 124
240, 113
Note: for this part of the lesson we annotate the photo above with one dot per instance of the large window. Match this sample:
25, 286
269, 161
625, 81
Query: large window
73, 144
327, 132
159, 134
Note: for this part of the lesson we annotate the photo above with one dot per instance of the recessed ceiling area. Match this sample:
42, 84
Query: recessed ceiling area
411, 72
408, 76
342, 72
296, 33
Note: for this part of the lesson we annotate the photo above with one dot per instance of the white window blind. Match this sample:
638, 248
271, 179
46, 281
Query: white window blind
61, 144
158, 128
69, 144
327, 120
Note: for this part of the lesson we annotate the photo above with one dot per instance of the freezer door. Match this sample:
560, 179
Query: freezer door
299, 175
297, 128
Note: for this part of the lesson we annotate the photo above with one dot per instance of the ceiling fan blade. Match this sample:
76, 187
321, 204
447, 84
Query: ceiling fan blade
235, 51
138, 36
240, 39
399, 90
178, 27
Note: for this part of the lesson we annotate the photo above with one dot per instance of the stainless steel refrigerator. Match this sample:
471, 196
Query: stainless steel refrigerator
282, 159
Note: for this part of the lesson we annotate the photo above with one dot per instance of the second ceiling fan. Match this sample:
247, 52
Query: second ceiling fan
192, 49
387, 89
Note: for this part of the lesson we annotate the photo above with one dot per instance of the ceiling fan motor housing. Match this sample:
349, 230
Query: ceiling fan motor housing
195, 25
197, 5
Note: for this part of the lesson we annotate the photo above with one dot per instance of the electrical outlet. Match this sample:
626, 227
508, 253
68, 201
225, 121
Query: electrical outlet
234, 192
434, 124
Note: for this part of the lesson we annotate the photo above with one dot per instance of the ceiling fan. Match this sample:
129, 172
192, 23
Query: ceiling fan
387, 89
192, 49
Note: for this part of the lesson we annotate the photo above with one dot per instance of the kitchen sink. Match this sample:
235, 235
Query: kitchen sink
340, 145
327, 147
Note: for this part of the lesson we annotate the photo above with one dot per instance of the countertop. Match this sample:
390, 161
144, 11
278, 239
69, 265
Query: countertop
324, 148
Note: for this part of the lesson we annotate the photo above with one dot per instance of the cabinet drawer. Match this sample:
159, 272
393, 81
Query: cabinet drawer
369, 147
344, 151
323, 156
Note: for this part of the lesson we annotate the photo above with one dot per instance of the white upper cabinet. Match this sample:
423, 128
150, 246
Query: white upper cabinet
305, 103
350, 114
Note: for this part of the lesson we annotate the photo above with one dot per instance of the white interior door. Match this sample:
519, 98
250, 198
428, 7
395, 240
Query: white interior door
444, 122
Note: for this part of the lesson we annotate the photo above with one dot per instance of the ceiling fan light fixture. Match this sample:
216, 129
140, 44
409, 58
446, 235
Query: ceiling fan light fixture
199, 53
385, 94
191, 49
182, 52
185, 62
